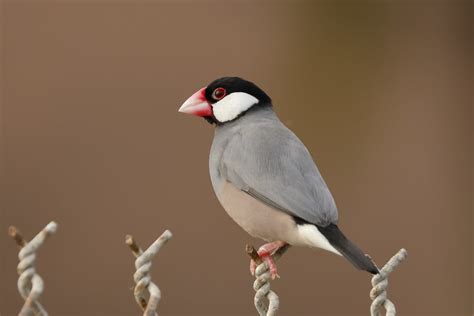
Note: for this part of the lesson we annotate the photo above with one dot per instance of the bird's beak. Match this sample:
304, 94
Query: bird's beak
197, 105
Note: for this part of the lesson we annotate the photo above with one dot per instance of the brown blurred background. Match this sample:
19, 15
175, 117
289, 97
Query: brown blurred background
380, 92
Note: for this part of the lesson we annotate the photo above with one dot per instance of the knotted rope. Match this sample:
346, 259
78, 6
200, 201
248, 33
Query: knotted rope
30, 284
142, 275
261, 284
378, 294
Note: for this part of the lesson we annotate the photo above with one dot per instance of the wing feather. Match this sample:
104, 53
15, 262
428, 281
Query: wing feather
270, 163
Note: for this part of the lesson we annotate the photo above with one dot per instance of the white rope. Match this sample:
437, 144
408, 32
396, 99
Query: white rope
261, 285
378, 294
142, 275
30, 284
265, 300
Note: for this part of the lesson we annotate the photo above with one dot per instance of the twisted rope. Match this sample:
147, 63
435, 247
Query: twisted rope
261, 284
30, 284
142, 275
378, 294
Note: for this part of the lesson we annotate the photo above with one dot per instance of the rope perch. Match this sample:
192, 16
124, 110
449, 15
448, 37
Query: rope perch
147, 294
261, 284
378, 294
30, 284
142, 275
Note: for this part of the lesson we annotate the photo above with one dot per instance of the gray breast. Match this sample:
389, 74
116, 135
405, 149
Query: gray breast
255, 217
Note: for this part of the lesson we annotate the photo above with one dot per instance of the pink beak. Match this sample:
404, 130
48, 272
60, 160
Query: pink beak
197, 104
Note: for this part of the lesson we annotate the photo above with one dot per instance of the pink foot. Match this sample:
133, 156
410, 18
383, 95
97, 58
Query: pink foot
253, 267
271, 265
265, 252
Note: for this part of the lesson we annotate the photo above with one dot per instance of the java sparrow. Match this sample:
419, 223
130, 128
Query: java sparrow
264, 177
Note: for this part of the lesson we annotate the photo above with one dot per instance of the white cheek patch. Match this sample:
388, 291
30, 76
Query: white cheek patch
233, 105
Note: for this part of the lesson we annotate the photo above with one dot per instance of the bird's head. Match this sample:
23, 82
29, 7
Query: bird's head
225, 99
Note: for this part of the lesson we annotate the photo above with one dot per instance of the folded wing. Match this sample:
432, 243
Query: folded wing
269, 162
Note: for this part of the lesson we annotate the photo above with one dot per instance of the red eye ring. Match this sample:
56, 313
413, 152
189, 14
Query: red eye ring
218, 93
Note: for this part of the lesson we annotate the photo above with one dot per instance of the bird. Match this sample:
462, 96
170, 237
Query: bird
265, 178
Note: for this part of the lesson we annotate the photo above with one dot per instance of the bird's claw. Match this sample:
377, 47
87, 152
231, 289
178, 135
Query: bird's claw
253, 267
271, 265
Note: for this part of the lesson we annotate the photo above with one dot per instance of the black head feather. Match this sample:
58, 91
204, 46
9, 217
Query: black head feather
235, 84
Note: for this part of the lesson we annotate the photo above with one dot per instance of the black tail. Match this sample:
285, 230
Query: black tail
348, 249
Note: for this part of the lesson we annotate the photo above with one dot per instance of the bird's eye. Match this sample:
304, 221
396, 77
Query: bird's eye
218, 94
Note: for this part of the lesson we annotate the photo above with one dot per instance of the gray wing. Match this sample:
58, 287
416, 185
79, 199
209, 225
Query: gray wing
270, 163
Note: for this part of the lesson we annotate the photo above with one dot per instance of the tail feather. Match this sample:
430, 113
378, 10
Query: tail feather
348, 249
